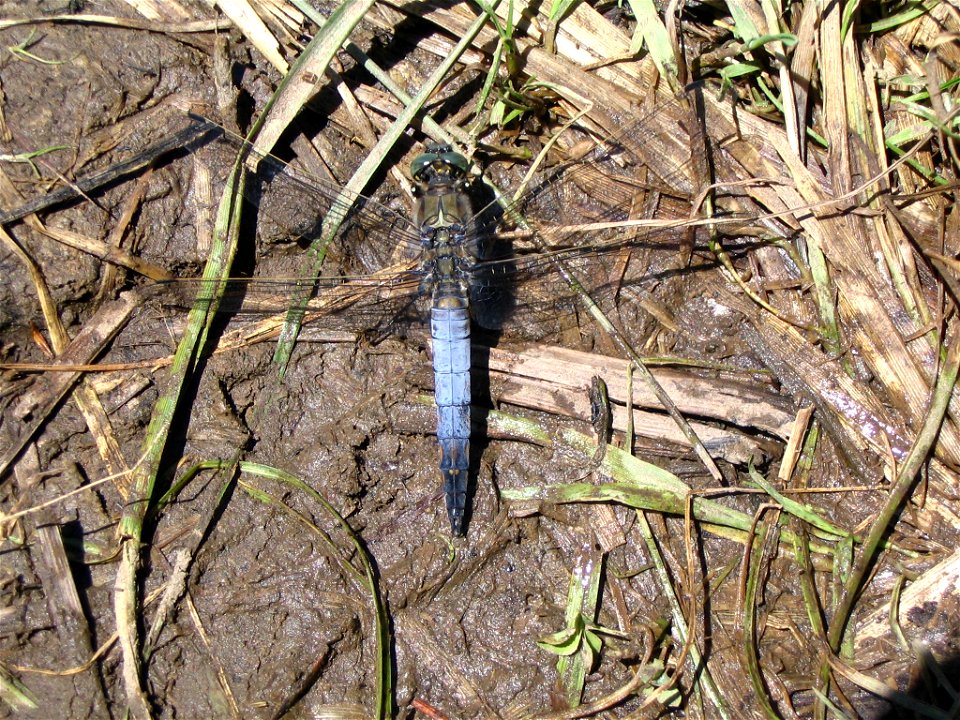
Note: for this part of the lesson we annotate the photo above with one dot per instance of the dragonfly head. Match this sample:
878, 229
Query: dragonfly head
439, 164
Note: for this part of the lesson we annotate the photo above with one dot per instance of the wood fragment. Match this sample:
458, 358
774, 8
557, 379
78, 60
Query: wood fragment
35, 406
69, 620
737, 402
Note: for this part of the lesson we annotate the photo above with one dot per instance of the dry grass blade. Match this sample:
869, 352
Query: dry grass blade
65, 607
242, 14
198, 26
83, 349
176, 142
307, 72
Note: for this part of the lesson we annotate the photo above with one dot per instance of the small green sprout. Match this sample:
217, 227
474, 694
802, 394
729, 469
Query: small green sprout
581, 637
27, 157
657, 671
22, 52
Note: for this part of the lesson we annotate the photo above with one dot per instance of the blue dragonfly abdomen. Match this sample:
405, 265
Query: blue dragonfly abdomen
450, 331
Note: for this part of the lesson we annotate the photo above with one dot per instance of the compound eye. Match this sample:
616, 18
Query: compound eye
421, 163
455, 160
441, 158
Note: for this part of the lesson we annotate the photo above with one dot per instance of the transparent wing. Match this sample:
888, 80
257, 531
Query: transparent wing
378, 302
583, 215
602, 220
291, 206
373, 274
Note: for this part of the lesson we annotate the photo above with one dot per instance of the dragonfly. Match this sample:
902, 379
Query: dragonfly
451, 259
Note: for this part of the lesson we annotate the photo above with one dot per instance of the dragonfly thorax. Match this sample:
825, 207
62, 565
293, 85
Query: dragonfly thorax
439, 237
442, 200
447, 261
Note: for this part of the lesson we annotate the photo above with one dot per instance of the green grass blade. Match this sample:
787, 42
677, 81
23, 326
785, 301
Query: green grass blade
144, 474
680, 628
14, 693
795, 508
657, 40
583, 593
636, 484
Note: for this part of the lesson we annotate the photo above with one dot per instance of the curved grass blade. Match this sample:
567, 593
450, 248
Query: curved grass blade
384, 671
906, 476
767, 535
145, 472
